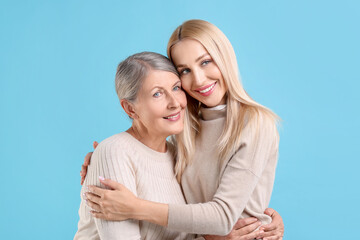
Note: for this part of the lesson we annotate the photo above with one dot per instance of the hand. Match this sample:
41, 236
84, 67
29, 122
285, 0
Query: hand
244, 229
86, 164
117, 203
274, 230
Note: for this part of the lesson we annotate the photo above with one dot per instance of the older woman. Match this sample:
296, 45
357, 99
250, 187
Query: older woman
150, 92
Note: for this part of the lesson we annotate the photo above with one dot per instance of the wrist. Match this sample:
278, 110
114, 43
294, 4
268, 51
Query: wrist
151, 212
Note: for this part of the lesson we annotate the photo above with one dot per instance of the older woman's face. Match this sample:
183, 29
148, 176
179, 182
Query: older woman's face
200, 76
160, 104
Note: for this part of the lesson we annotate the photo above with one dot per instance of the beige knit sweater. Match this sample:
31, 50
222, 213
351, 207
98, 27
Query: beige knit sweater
147, 173
239, 187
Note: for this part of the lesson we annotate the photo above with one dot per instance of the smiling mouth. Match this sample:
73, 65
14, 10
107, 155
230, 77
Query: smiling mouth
206, 90
173, 117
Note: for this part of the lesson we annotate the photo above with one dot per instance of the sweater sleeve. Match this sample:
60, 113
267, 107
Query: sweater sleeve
110, 162
240, 176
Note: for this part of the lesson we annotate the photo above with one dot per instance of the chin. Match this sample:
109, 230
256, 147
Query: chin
211, 104
177, 131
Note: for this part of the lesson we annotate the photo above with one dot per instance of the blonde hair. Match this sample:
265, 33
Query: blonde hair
241, 108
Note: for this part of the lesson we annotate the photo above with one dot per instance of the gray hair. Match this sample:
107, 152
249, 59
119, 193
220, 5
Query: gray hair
133, 70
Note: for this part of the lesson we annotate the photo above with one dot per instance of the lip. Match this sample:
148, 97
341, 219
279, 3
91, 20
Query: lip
173, 117
213, 85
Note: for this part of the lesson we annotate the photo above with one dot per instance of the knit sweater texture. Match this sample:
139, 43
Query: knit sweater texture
147, 173
219, 192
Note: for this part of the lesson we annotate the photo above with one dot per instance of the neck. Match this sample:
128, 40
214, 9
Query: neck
152, 140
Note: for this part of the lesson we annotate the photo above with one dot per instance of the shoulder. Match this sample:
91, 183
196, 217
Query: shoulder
116, 145
261, 127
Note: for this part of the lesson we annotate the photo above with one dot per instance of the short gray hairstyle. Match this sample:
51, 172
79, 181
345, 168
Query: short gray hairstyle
133, 70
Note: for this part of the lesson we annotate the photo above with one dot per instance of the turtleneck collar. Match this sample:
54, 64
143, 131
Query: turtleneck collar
213, 113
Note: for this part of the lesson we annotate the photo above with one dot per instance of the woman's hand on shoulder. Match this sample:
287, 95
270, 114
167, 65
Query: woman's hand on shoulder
86, 163
273, 230
244, 229
117, 203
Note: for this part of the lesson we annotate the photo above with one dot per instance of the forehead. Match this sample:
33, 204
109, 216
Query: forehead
160, 79
187, 50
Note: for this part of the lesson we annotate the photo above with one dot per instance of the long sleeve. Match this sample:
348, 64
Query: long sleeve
110, 162
239, 178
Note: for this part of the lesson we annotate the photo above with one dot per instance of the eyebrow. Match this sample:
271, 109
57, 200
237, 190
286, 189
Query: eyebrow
196, 60
162, 87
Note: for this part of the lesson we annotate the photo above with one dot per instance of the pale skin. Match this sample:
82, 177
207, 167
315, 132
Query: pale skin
197, 72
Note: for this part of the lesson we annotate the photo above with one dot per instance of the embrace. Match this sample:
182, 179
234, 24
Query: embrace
213, 178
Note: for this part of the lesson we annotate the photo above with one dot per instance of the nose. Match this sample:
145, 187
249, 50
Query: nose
173, 102
197, 78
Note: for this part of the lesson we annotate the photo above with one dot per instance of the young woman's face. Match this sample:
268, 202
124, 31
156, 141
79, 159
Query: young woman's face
200, 76
161, 103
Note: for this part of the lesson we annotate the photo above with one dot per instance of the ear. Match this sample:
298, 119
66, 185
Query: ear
128, 108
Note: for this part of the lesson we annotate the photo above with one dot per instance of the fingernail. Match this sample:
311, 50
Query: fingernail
84, 196
261, 231
101, 178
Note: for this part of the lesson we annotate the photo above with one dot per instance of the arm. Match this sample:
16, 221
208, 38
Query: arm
242, 174
86, 163
239, 179
112, 163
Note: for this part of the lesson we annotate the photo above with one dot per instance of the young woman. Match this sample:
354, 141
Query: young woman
226, 155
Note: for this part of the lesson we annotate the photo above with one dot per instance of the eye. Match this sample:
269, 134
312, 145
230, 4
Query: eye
157, 94
176, 88
184, 71
205, 62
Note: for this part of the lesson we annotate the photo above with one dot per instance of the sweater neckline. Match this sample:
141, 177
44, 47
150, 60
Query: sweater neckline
143, 147
212, 113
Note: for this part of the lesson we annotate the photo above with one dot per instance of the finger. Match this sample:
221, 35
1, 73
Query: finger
269, 211
110, 183
93, 206
96, 190
95, 144
87, 159
273, 238
247, 229
83, 170
270, 227
92, 197
249, 236
273, 233
275, 222
244, 222
99, 215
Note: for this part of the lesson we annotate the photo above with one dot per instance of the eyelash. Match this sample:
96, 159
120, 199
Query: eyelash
155, 94
206, 61
176, 88
203, 63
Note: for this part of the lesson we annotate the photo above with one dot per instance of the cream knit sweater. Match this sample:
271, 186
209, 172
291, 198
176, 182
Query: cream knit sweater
239, 187
147, 173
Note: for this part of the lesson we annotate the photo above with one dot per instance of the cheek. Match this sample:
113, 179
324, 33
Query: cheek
186, 83
182, 99
149, 112
215, 71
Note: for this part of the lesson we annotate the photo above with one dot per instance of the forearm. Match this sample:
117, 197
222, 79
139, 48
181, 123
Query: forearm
216, 217
151, 212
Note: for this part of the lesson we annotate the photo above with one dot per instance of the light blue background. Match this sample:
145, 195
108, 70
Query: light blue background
57, 67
